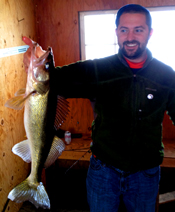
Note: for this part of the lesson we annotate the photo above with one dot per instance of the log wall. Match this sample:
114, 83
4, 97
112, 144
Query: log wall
17, 19
58, 26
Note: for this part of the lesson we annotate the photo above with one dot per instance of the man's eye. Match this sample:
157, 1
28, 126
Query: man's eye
123, 30
138, 30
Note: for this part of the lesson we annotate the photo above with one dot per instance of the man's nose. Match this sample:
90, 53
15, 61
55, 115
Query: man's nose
130, 36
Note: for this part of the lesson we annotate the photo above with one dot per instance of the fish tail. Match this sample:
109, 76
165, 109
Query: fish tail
35, 193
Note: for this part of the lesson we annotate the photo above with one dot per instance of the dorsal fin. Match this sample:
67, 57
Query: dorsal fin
62, 111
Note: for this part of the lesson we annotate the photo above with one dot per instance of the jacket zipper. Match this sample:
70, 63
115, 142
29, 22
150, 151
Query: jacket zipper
134, 99
134, 112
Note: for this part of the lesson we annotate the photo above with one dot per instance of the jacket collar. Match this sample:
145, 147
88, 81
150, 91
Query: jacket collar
148, 60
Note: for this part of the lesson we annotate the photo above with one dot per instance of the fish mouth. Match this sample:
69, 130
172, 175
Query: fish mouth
40, 54
40, 57
47, 55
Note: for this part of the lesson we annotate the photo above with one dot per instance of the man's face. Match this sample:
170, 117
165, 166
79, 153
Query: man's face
133, 35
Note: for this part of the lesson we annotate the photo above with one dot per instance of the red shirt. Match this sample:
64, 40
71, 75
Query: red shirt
135, 65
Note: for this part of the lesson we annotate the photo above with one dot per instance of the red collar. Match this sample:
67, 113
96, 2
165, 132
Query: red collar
136, 65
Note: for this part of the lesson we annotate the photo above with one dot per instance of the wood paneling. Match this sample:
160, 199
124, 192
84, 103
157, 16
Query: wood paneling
17, 19
58, 26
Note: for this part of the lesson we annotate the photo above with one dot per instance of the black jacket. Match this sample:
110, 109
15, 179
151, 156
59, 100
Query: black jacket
127, 132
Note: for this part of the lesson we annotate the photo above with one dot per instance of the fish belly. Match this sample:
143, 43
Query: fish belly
39, 136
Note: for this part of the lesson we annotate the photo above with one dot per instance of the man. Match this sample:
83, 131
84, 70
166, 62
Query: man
130, 92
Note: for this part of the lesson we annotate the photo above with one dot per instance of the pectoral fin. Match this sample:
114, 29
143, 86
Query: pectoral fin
20, 92
17, 102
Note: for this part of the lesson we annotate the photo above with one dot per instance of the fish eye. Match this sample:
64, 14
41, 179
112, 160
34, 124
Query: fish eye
47, 66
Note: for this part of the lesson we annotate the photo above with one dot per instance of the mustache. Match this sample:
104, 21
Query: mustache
131, 42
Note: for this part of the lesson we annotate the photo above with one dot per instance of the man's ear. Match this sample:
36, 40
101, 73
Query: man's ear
116, 31
150, 33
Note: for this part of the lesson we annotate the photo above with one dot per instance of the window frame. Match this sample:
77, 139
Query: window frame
82, 15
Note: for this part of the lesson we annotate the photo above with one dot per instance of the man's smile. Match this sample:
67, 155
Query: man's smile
131, 46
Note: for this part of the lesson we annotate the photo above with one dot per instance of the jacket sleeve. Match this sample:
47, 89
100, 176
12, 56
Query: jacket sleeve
171, 105
77, 80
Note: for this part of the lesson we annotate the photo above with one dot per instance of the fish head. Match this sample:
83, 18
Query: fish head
41, 64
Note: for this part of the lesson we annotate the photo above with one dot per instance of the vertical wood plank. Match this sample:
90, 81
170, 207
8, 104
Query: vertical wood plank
17, 19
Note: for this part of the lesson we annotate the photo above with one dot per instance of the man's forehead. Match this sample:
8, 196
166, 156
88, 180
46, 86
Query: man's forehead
132, 19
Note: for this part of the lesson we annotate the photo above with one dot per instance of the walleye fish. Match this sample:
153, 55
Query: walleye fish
43, 111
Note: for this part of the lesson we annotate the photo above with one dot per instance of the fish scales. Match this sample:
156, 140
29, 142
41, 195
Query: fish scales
36, 111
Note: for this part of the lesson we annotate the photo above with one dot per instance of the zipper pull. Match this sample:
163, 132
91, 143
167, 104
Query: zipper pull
134, 77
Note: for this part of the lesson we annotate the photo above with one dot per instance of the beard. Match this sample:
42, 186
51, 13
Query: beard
133, 54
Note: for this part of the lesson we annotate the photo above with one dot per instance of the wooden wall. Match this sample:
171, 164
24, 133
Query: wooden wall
17, 18
58, 26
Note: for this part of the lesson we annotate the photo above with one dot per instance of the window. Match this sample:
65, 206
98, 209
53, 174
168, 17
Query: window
98, 37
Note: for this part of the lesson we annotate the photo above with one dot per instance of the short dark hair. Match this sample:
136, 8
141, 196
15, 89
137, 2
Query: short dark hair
134, 8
